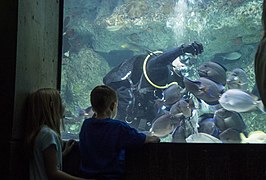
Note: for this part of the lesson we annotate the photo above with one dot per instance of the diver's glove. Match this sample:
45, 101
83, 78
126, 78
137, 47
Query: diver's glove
194, 48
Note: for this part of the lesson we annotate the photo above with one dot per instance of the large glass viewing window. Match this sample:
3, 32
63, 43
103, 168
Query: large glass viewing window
113, 41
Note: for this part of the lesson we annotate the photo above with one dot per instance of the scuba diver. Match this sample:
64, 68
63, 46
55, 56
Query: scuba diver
140, 81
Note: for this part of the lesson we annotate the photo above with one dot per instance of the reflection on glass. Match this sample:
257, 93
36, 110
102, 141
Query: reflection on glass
117, 43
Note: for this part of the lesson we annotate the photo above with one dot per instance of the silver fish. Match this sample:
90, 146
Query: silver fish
240, 101
164, 125
233, 56
202, 138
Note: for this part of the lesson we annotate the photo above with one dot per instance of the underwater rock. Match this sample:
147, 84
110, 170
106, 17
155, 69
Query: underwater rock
81, 73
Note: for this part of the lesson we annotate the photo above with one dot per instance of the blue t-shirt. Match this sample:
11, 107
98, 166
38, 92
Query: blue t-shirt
103, 143
45, 138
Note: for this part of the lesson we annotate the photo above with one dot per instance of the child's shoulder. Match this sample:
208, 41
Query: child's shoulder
116, 121
46, 130
107, 121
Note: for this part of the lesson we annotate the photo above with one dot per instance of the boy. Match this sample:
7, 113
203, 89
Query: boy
103, 139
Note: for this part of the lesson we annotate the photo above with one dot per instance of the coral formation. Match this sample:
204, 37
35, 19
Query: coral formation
136, 9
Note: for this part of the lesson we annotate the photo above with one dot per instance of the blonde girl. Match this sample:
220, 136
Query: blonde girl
45, 118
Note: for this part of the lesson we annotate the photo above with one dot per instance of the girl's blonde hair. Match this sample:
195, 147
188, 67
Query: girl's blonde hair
44, 108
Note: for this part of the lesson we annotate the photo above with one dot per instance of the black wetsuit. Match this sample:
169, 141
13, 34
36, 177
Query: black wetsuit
159, 68
136, 95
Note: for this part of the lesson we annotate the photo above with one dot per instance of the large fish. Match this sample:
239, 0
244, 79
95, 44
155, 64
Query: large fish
240, 101
179, 135
213, 71
172, 94
164, 125
237, 79
207, 125
230, 136
204, 89
226, 58
186, 127
183, 107
229, 119
232, 56
202, 138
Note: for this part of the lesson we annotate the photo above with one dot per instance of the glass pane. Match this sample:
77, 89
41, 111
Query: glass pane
123, 44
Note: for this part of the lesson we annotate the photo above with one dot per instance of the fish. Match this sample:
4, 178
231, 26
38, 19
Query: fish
203, 107
240, 101
204, 89
213, 71
164, 125
237, 79
89, 112
232, 56
182, 106
202, 138
253, 137
226, 58
178, 136
186, 127
229, 119
207, 125
230, 136
172, 94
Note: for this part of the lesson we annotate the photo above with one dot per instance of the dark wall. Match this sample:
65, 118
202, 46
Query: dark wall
8, 39
197, 162
173, 161
29, 61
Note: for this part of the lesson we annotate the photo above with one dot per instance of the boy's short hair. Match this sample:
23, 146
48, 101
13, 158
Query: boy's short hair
102, 97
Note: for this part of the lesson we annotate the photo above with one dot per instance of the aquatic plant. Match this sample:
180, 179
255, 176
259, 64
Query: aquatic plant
80, 73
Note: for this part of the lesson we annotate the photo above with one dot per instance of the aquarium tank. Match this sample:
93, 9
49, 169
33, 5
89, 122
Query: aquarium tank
213, 99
